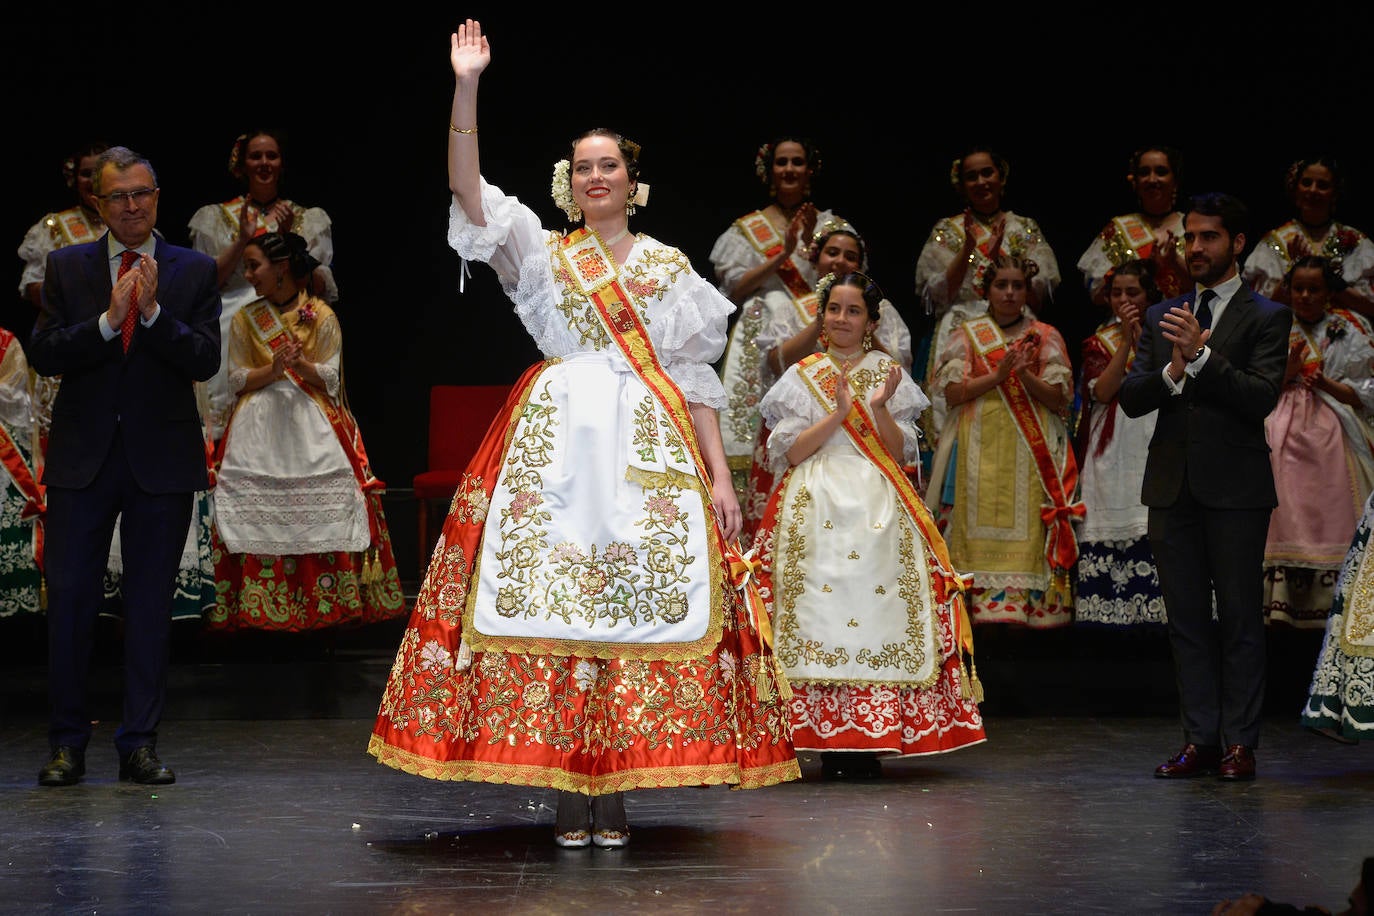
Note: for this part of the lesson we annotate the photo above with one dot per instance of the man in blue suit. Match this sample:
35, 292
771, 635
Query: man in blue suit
130, 323
1212, 363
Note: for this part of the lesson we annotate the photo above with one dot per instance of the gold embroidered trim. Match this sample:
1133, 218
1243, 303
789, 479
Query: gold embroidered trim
549, 777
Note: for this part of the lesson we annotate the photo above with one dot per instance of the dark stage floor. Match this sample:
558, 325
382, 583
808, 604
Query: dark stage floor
278, 808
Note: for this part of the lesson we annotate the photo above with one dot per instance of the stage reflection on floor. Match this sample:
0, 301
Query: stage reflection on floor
278, 808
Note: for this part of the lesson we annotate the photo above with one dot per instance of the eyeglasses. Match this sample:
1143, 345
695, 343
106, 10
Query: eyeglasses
140, 196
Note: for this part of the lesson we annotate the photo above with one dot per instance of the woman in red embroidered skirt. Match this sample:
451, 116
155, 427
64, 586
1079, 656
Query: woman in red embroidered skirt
585, 623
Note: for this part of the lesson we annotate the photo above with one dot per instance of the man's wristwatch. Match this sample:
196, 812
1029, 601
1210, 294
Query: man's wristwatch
1198, 355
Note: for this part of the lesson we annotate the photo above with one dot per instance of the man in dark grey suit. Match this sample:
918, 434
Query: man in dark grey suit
1212, 363
130, 323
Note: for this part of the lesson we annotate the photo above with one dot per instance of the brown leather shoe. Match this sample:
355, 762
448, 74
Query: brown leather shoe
1193, 760
1238, 764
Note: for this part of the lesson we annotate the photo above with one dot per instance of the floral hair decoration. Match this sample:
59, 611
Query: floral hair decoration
823, 286
235, 165
562, 190
762, 159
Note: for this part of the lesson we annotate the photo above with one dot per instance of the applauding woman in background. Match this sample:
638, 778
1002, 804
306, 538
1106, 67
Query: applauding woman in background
303, 541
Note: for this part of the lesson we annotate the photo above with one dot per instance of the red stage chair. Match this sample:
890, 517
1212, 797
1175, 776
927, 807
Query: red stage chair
458, 419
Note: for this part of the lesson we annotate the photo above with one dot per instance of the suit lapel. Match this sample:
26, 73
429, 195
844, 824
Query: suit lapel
97, 269
1237, 310
167, 266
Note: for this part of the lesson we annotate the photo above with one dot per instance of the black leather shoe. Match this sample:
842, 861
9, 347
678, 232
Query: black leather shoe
1193, 760
67, 766
143, 767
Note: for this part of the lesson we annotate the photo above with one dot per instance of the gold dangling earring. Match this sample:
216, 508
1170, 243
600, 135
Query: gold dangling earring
868, 339
824, 340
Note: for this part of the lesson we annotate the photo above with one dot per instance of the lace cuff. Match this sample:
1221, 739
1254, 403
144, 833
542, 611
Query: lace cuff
699, 383
330, 376
479, 243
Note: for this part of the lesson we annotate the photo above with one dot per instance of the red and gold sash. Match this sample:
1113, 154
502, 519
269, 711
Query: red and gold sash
266, 323
13, 460
1128, 237
1358, 321
229, 212
72, 227
25, 480
1312, 357
807, 306
982, 239
759, 230
593, 268
1136, 233
821, 373
1113, 337
989, 348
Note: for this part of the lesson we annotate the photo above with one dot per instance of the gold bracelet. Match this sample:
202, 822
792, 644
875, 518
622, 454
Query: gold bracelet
459, 130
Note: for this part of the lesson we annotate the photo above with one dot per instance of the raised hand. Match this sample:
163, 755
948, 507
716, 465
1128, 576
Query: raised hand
999, 229
278, 364
281, 216
292, 352
807, 214
1013, 361
1295, 360
970, 223
248, 221
123, 297
145, 289
881, 394
1179, 326
792, 235
469, 51
137, 289
1166, 252
844, 396
1131, 324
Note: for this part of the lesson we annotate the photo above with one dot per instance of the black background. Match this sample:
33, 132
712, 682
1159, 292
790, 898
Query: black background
364, 98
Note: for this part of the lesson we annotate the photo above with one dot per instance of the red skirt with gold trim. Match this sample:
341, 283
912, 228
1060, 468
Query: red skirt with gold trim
578, 724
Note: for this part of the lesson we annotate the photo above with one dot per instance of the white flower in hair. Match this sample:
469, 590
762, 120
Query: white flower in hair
823, 286
562, 190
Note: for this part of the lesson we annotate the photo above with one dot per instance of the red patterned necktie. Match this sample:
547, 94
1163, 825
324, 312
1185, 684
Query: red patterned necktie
126, 331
